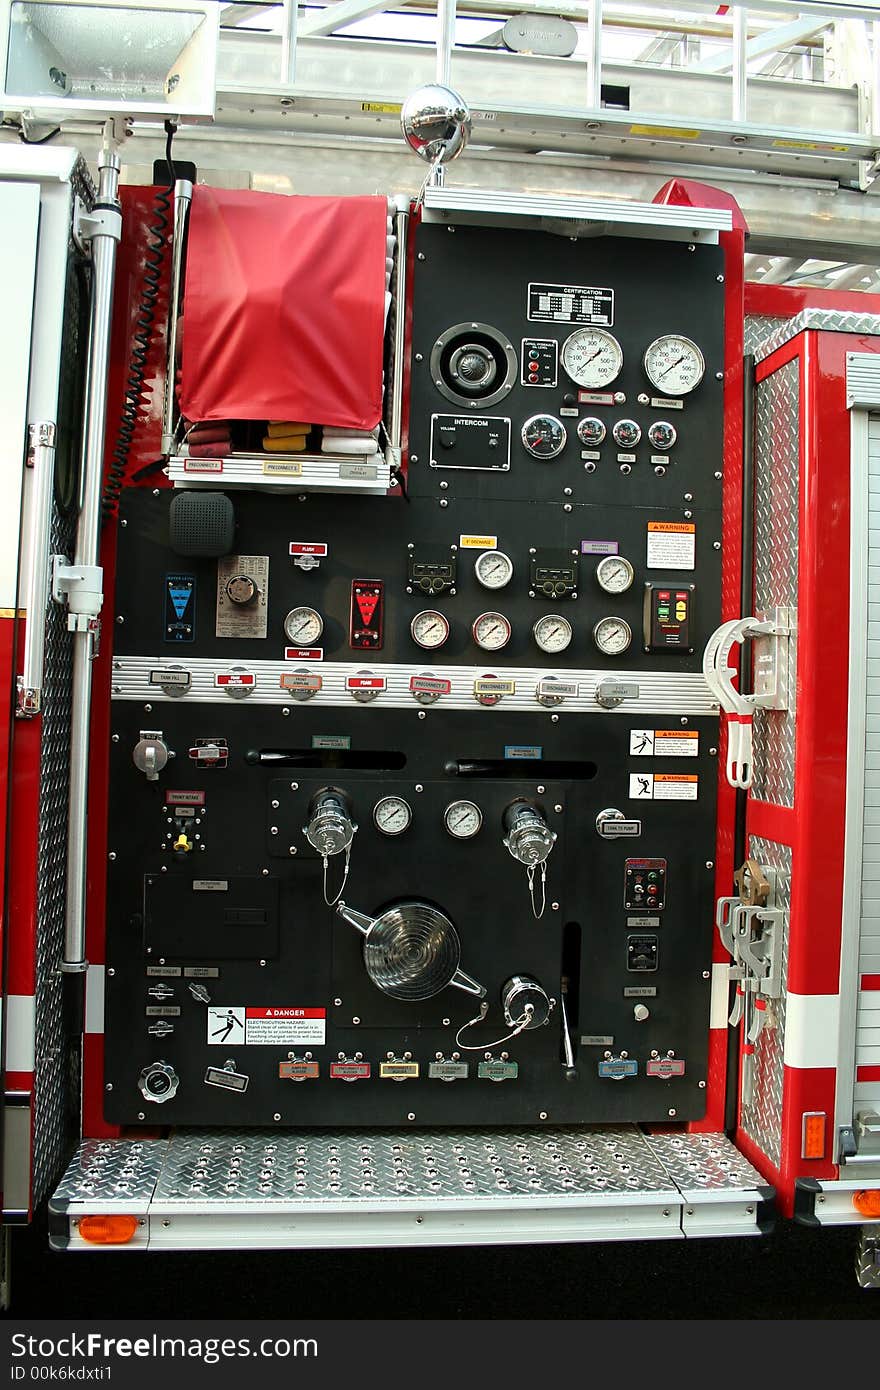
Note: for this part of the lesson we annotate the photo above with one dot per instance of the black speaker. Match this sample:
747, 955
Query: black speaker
201, 524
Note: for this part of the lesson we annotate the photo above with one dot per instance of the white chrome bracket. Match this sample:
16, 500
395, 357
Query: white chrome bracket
771, 635
81, 587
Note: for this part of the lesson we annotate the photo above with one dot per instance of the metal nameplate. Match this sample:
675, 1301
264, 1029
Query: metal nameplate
498, 1071
162, 1011
226, 1080
448, 1071
640, 992
201, 972
399, 1071
298, 1071
169, 972
210, 885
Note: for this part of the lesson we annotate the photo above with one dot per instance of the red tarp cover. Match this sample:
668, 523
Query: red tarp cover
284, 308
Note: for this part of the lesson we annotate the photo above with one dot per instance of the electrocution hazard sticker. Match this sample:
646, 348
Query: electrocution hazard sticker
265, 1027
663, 743
661, 786
672, 545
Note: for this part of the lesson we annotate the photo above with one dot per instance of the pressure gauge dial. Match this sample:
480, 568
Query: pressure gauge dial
615, 574
491, 631
592, 358
494, 569
627, 434
462, 819
662, 435
544, 436
303, 626
429, 629
392, 815
552, 633
674, 365
591, 431
612, 636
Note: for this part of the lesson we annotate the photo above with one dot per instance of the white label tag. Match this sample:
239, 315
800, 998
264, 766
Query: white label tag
672, 545
663, 743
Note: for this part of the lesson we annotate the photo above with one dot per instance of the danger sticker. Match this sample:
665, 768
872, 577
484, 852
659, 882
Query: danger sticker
672, 545
663, 743
229, 1024
659, 786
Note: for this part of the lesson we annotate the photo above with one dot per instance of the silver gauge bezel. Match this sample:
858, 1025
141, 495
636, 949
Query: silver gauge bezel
659, 385
607, 562
586, 381
601, 435
460, 805
555, 617
495, 555
313, 613
392, 801
557, 450
481, 618
430, 613
621, 622
666, 425
626, 443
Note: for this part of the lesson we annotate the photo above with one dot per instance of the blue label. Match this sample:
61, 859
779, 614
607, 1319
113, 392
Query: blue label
523, 750
616, 1068
180, 607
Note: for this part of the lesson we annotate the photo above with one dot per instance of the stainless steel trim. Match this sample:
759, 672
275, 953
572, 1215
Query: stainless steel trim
863, 379
309, 472
823, 320
41, 459
645, 219
445, 40
401, 226
183, 191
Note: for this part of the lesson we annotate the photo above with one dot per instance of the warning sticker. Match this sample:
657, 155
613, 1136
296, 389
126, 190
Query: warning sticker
661, 786
663, 743
671, 545
230, 1024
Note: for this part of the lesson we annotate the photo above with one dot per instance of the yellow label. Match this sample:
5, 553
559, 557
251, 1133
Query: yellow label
478, 542
809, 145
288, 468
676, 733
494, 687
399, 1071
666, 131
388, 108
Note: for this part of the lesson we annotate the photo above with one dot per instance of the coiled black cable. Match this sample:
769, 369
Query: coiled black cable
142, 338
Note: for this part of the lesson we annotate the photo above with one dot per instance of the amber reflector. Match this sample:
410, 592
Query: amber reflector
107, 1230
813, 1135
867, 1202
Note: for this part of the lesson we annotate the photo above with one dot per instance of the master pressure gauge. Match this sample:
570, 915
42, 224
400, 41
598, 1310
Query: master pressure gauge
612, 636
592, 358
674, 365
615, 574
491, 631
303, 626
462, 819
429, 629
552, 633
494, 569
392, 815
544, 436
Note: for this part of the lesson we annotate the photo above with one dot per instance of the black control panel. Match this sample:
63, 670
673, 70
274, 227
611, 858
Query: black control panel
412, 799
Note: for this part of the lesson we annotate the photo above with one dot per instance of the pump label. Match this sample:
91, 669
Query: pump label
228, 1025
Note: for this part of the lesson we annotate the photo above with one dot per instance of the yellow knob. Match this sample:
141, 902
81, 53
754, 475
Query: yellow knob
182, 845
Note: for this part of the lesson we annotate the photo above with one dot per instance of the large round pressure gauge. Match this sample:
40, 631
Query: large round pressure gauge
552, 633
491, 631
615, 574
612, 636
592, 358
429, 629
544, 436
494, 569
462, 819
303, 626
674, 365
392, 815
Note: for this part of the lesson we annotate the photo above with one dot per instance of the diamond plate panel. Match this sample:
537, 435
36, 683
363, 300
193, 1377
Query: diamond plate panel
331, 1166
777, 401
705, 1161
868, 1258
757, 329
106, 1170
824, 320
761, 1118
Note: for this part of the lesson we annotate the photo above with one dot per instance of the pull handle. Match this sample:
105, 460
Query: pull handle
359, 920
461, 980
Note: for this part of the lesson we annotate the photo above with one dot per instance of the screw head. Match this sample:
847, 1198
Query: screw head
114, 738
411, 1115
542, 1114
672, 1112
276, 1117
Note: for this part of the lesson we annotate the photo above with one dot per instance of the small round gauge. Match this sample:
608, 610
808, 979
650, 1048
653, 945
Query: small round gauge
627, 434
303, 626
491, 631
494, 569
592, 357
544, 436
615, 574
241, 589
612, 636
392, 815
429, 629
591, 430
462, 819
662, 435
674, 365
552, 633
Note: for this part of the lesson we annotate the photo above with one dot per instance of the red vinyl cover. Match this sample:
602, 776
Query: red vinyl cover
284, 308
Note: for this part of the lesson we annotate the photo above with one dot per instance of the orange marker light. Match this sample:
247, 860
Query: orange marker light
107, 1230
867, 1202
813, 1134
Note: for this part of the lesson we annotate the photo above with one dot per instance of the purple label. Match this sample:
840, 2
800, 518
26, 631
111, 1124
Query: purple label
599, 547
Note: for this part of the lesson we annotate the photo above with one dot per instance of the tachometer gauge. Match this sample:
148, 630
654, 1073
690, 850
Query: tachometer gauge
493, 569
612, 636
627, 434
544, 436
491, 631
392, 815
303, 626
674, 365
429, 629
591, 430
615, 574
592, 358
552, 633
662, 435
462, 819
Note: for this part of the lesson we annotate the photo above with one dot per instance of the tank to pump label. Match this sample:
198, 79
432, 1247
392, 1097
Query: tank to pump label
663, 743
672, 545
570, 304
274, 1026
661, 786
